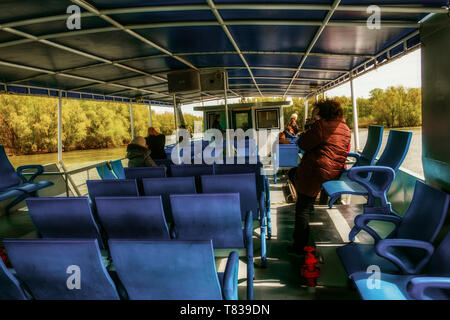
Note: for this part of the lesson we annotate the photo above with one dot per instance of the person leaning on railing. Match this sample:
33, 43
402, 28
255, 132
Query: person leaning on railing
138, 154
326, 148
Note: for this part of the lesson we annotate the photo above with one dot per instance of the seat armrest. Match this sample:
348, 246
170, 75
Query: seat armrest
362, 220
230, 277
354, 155
39, 170
389, 173
383, 246
417, 286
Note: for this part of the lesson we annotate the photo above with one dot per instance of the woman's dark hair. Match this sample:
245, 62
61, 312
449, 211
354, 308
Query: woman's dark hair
329, 109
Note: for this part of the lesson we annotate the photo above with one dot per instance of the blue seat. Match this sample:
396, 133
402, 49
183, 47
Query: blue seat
145, 172
370, 151
166, 186
245, 185
192, 170
132, 217
111, 188
64, 218
173, 270
215, 217
422, 221
430, 281
118, 169
51, 269
286, 157
381, 175
262, 183
105, 172
13, 184
10, 287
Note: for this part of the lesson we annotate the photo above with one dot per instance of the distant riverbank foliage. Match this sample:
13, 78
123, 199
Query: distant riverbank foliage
393, 107
29, 124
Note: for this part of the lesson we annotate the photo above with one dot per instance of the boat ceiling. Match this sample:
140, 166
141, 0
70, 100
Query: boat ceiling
126, 48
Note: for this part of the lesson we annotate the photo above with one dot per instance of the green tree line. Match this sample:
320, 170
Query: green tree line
30, 125
392, 107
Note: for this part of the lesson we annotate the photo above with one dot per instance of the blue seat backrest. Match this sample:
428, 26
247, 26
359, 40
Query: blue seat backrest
214, 217
373, 145
288, 155
118, 169
145, 172
132, 217
243, 168
425, 215
10, 288
106, 173
166, 270
192, 170
242, 183
64, 218
440, 261
112, 188
166, 186
8, 176
50, 269
393, 155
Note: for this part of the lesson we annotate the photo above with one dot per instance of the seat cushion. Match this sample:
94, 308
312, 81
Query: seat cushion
337, 187
358, 257
392, 287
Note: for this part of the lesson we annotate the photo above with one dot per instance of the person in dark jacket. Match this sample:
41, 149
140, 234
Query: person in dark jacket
138, 154
326, 148
216, 124
156, 143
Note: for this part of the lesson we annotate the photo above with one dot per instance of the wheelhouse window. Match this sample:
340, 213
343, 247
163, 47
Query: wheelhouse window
268, 119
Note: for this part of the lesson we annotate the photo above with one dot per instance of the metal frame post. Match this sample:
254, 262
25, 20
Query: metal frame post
131, 121
227, 123
59, 128
306, 112
355, 114
150, 121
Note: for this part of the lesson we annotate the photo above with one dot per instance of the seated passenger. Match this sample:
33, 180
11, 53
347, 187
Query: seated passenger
293, 124
326, 146
289, 132
282, 139
138, 154
156, 143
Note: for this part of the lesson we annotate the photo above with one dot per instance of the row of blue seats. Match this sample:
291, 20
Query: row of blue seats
72, 269
409, 266
262, 183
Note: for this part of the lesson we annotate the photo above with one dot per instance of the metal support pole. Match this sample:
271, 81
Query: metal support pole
227, 124
175, 117
131, 121
59, 128
150, 114
355, 115
317, 98
306, 112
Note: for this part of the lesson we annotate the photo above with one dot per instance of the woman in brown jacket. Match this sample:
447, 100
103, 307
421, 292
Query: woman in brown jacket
326, 148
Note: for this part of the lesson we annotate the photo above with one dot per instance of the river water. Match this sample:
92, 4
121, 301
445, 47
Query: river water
75, 159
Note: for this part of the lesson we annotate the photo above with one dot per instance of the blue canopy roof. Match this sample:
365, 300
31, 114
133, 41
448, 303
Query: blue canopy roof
125, 48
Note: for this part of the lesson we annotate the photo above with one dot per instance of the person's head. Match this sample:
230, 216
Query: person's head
140, 141
152, 131
328, 109
294, 116
282, 135
218, 117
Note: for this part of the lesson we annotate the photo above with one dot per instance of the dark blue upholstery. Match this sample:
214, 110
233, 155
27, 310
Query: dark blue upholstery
13, 183
10, 288
431, 281
111, 188
118, 169
422, 221
172, 270
245, 185
286, 157
132, 217
145, 172
47, 268
192, 170
215, 217
64, 218
381, 175
166, 186
262, 183
105, 172
373, 145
